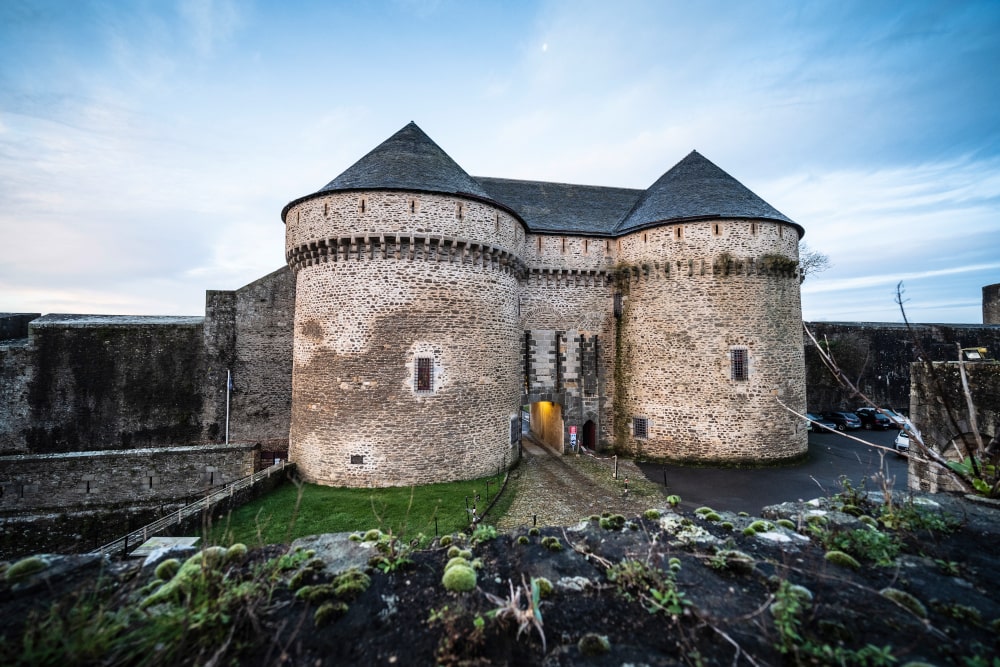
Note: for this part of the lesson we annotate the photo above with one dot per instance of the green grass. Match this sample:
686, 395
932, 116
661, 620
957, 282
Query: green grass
280, 516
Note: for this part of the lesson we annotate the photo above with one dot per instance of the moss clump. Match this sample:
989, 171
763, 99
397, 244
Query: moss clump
456, 561
674, 564
842, 559
315, 594
534, 532
24, 568
544, 586
704, 510
445, 540
673, 500
712, 516
728, 525
592, 644
355, 537
193, 573
237, 553
904, 599
749, 532
785, 523
351, 584
868, 521
652, 514
459, 578
523, 539
166, 570
329, 611
760, 526
613, 522
454, 552
552, 543
372, 535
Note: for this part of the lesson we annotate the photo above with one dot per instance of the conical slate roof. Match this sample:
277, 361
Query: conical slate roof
696, 188
408, 160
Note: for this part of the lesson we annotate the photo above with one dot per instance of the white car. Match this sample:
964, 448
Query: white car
902, 443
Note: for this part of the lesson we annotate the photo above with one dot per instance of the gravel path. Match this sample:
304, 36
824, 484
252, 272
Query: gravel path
562, 490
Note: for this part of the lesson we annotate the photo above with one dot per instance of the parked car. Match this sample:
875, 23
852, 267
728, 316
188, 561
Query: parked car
902, 443
898, 420
873, 419
818, 424
844, 420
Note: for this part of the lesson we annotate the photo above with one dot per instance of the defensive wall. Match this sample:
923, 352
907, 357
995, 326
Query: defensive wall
877, 356
939, 410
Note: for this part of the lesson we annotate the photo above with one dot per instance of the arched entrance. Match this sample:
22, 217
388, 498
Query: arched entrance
547, 423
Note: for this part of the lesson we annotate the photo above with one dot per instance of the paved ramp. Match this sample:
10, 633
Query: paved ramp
557, 490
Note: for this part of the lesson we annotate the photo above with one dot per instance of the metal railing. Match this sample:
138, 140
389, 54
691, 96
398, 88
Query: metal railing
137, 537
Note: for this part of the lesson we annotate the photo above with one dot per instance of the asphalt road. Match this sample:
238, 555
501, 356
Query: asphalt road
830, 457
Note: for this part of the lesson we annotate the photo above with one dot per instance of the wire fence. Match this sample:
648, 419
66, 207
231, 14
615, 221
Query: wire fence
195, 509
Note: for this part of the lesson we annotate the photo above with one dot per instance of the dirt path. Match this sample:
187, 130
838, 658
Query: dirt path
561, 490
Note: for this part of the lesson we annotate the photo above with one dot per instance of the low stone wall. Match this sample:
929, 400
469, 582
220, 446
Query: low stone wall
33, 483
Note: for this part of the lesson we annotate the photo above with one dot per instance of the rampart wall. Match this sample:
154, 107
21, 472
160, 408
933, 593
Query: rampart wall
86, 383
15, 325
878, 357
938, 409
249, 332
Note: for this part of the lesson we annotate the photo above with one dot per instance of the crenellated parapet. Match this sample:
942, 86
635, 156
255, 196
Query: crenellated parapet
413, 247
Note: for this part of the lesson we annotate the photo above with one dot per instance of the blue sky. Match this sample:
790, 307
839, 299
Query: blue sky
147, 147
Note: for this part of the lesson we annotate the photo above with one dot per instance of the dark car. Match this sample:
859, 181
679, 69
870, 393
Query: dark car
844, 420
818, 424
873, 419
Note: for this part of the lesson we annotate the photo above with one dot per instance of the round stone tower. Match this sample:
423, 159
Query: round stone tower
709, 336
991, 304
406, 343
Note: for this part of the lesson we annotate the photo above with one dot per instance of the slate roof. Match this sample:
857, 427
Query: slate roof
408, 160
693, 189
696, 188
561, 207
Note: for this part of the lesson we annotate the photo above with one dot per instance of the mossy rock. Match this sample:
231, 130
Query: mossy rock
445, 540
453, 552
523, 539
652, 514
167, 569
351, 584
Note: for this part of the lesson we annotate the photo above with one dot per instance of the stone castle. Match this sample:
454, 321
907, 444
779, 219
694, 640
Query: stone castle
420, 309
431, 305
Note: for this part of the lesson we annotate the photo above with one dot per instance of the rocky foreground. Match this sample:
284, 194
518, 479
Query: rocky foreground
849, 580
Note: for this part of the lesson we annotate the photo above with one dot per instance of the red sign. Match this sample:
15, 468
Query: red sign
572, 430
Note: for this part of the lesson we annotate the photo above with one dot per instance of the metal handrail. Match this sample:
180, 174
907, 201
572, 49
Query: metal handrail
137, 537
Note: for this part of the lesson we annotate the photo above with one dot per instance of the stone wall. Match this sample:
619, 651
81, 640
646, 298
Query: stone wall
86, 383
15, 325
878, 357
938, 409
36, 483
440, 289
991, 304
249, 332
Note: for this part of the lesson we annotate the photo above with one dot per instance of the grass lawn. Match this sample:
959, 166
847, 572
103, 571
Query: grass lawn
291, 511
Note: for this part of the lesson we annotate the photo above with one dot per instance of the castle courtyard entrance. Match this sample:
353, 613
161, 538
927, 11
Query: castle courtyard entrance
589, 438
547, 423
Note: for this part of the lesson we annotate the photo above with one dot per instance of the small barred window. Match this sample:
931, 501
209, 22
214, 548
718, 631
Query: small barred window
640, 427
739, 361
424, 380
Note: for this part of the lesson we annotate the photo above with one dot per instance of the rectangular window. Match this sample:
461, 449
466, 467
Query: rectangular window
640, 427
739, 358
424, 382
357, 459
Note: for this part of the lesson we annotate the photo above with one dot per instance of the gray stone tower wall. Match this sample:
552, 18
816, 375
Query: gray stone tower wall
991, 304
693, 294
385, 279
